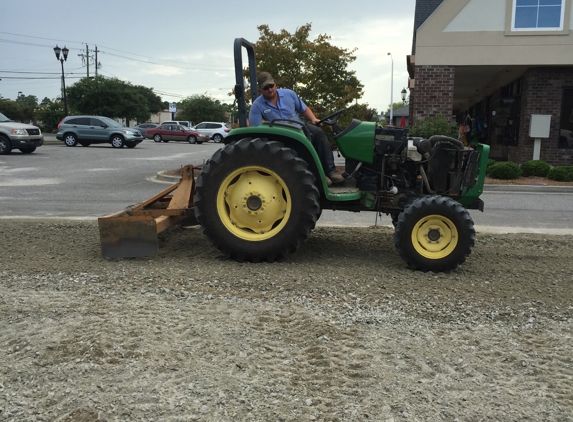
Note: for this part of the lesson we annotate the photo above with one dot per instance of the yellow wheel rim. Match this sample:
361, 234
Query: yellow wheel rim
254, 203
435, 237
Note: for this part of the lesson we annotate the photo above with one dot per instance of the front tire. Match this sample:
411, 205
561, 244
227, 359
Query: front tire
256, 200
70, 140
434, 233
117, 141
5, 145
157, 137
27, 150
218, 138
192, 139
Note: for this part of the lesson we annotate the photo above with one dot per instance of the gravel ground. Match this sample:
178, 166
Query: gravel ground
339, 331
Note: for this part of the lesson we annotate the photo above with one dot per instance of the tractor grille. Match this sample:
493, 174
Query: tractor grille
33, 131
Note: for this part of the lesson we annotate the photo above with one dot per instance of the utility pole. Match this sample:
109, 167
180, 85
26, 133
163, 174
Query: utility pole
86, 59
97, 64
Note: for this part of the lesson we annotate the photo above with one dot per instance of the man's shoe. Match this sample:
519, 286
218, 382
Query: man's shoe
328, 182
336, 178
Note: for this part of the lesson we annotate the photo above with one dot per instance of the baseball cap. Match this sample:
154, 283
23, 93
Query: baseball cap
264, 79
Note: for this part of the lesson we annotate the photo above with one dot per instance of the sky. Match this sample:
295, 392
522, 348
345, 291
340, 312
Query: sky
185, 47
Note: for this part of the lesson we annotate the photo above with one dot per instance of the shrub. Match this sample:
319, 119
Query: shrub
490, 163
561, 174
436, 125
535, 168
506, 170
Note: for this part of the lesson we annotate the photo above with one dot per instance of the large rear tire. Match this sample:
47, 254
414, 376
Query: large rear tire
434, 233
256, 200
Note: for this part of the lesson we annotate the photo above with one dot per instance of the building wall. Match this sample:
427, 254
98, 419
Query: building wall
483, 27
542, 94
433, 93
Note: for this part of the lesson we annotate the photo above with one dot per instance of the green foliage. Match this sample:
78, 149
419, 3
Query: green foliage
561, 174
17, 111
201, 108
315, 69
435, 125
535, 168
27, 100
50, 113
111, 97
396, 106
506, 170
490, 163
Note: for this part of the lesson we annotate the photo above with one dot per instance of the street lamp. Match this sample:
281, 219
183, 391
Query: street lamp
18, 97
62, 59
391, 91
404, 93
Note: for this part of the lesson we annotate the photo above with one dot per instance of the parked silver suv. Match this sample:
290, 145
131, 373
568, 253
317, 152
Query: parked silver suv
216, 131
20, 136
87, 130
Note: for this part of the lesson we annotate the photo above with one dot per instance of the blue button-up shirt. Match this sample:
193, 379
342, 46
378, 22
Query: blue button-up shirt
289, 105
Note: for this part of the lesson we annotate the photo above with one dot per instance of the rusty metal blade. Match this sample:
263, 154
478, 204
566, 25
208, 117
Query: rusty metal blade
128, 237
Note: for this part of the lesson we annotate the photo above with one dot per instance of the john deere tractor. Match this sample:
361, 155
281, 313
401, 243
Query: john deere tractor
259, 197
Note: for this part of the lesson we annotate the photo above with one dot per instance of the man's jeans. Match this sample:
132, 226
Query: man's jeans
323, 149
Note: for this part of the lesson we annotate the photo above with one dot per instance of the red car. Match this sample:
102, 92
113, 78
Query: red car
172, 132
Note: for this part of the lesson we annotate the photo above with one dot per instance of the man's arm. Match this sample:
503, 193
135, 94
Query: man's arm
255, 116
308, 114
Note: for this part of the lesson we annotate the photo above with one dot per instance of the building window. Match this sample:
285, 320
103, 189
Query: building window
544, 15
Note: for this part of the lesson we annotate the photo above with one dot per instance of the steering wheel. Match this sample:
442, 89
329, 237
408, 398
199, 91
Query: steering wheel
331, 119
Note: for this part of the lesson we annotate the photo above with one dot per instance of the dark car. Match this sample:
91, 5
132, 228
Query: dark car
173, 132
87, 130
144, 126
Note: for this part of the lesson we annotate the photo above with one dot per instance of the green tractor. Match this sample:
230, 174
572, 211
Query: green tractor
259, 197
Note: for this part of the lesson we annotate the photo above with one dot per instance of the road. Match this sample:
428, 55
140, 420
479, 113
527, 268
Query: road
58, 181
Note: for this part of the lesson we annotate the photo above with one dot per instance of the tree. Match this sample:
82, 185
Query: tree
154, 102
111, 97
396, 106
200, 108
16, 111
435, 125
316, 70
50, 113
27, 100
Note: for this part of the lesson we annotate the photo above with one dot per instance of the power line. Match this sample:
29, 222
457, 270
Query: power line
151, 60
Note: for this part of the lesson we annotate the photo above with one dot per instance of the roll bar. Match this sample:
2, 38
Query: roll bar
240, 86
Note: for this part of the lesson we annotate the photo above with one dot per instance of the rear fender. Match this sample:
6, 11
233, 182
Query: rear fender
291, 138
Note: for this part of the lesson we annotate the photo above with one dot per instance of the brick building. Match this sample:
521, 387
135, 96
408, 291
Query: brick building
492, 64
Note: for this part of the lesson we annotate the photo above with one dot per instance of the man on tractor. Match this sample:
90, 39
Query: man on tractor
280, 103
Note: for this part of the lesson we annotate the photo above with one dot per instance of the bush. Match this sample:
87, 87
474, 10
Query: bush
490, 163
535, 168
561, 174
506, 170
438, 125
